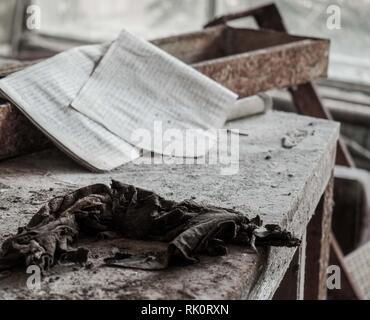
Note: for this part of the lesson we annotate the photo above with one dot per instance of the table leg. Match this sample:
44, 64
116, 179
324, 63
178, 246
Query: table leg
289, 286
318, 248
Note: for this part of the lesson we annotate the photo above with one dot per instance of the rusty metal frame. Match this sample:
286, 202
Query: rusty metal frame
306, 276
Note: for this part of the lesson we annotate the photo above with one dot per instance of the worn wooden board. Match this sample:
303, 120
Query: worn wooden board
283, 189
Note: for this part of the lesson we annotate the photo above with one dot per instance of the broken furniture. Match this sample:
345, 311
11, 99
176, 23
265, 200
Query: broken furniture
247, 62
283, 186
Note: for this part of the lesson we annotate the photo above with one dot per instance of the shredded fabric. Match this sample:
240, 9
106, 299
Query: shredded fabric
122, 210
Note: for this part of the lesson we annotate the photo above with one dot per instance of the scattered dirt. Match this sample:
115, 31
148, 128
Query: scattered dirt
293, 138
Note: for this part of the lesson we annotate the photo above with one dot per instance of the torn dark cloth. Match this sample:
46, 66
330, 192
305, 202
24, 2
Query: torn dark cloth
102, 211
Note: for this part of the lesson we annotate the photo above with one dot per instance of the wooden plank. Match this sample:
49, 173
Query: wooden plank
284, 188
301, 274
306, 276
318, 247
292, 285
288, 288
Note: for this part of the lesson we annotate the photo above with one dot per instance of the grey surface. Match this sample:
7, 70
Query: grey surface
284, 189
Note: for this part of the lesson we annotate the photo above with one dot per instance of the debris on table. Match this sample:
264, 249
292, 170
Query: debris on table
126, 211
293, 138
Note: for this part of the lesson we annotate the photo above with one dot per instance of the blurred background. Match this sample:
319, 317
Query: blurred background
95, 21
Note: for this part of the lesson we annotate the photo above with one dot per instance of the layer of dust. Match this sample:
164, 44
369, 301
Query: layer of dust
281, 185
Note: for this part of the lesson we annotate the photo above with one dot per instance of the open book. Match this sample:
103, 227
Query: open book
94, 101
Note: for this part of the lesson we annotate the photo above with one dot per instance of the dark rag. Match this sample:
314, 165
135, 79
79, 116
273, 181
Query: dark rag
99, 210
